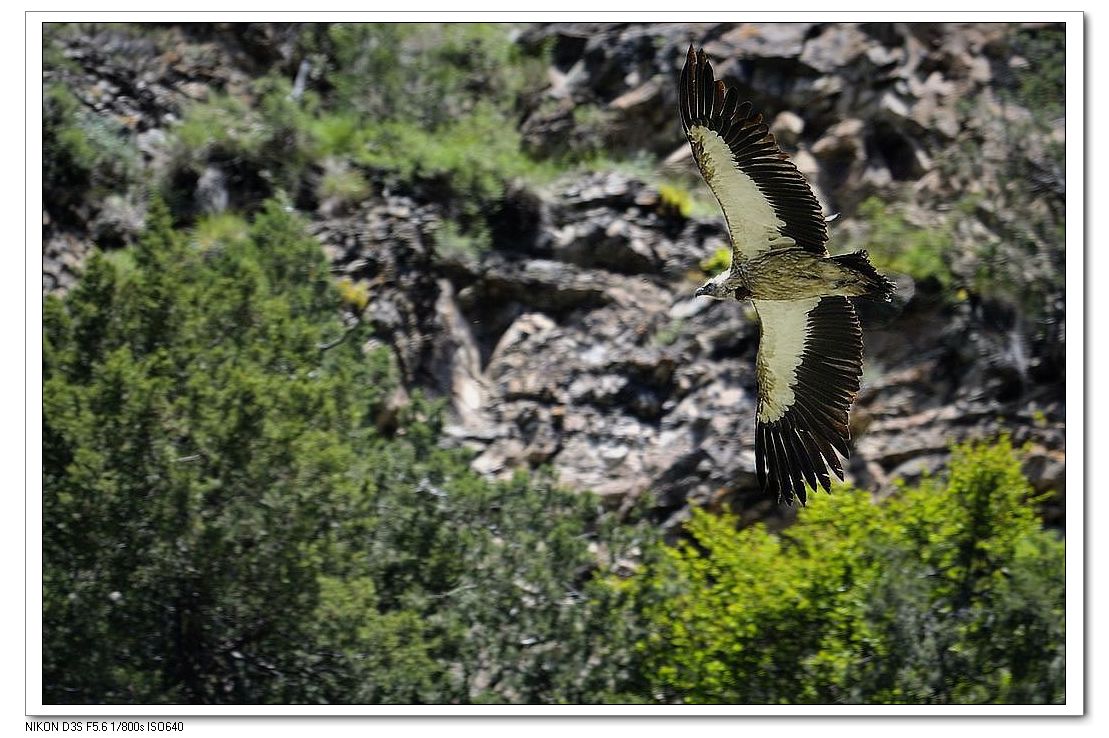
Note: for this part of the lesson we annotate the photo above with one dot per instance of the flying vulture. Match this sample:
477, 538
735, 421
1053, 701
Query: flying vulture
810, 349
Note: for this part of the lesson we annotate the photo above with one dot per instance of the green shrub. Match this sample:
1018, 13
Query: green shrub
54, 59
266, 137
453, 240
433, 107
472, 157
224, 522
342, 184
1041, 83
85, 156
213, 231
898, 245
947, 593
720, 260
674, 202
426, 74
67, 150
337, 135
354, 295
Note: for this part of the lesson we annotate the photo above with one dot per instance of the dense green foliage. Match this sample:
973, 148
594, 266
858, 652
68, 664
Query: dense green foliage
232, 515
947, 593
224, 521
195, 449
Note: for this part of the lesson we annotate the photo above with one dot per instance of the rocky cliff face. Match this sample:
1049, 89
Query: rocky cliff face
574, 341
627, 385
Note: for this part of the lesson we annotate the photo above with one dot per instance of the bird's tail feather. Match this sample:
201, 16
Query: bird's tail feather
878, 287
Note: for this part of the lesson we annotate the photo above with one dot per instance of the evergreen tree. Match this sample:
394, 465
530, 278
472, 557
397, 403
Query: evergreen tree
222, 521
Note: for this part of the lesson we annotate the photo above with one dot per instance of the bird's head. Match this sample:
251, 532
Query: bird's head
718, 289
709, 289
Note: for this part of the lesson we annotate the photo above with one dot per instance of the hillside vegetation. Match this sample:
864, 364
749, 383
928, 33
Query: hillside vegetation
370, 375
232, 513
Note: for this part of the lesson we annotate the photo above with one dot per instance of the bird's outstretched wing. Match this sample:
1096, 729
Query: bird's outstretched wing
766, 201
808, 369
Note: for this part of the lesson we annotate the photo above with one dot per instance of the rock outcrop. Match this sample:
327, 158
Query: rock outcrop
574, 342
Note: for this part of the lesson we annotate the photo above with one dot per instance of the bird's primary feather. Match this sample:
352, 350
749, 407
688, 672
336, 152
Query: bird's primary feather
766, 201
808, 369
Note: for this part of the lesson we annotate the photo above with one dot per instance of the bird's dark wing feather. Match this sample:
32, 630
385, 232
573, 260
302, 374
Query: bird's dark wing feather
766, 201
808, 367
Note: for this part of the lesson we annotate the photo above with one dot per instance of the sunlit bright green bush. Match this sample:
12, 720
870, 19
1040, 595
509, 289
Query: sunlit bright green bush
720, 260
946, 593
674, 201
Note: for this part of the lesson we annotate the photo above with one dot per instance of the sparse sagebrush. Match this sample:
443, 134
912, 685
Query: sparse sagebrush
427, 74
85, 156
453, 240
265, 147
342, 184
894, 243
